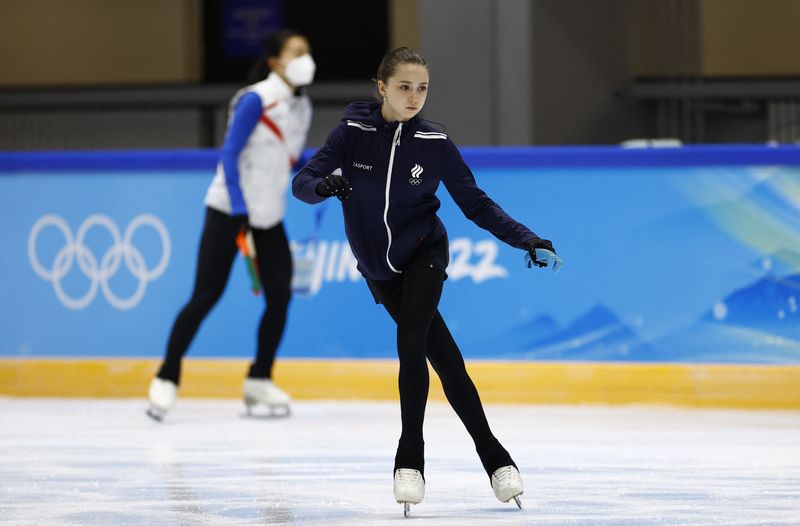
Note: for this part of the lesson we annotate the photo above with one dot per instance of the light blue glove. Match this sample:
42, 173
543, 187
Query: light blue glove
545, 257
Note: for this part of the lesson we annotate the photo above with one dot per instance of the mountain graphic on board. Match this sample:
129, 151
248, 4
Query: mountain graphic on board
542, 326
759, 323
769, 305
509, 344
598, 334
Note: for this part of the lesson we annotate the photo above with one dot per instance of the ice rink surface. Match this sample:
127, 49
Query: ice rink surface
103, 462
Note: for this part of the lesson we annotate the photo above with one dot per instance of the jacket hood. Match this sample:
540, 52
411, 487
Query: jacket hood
366, 112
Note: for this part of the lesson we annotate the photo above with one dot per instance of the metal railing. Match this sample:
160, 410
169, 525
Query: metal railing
137, 116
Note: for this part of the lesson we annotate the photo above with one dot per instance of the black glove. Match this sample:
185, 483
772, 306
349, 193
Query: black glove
334, 185
531, 247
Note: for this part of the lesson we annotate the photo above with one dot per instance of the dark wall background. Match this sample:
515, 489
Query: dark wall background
504, 71
580, 64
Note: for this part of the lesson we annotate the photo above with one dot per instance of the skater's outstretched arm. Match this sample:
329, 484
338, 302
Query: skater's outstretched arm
484, 212
476, 205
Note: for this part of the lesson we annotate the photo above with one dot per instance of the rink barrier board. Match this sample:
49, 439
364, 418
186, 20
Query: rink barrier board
699, 385
36, 373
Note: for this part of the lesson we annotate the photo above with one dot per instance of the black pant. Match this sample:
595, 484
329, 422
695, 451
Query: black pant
214, 261
412, 301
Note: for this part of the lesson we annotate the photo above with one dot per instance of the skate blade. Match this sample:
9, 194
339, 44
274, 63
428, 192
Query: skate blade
271, 412
406, 509
155, 414
518, 501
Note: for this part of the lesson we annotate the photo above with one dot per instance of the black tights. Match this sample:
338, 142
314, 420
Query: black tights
412, 301
214, 261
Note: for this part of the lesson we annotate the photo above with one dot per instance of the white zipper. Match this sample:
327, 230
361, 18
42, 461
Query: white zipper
395, 143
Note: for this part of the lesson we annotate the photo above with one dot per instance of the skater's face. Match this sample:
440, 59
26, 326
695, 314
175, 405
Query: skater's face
404, 92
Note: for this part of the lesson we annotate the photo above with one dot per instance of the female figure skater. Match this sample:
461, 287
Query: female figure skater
391, 164
267, 128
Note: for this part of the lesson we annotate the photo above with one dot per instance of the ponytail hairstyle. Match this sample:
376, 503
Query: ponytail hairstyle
273, 47
395, 58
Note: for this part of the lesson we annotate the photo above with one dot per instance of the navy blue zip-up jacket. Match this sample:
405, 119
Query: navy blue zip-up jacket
394, 170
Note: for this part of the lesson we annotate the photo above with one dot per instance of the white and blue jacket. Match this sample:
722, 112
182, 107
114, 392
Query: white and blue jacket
394, 170
267, 128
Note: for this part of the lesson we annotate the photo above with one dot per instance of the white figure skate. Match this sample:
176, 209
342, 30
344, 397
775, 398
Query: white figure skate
409, 488
263, 391
162, 395
507, 484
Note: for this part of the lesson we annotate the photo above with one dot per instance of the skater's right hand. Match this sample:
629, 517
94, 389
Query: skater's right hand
334, 185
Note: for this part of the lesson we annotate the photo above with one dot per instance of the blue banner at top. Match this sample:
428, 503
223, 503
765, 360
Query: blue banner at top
246, 24
675, 255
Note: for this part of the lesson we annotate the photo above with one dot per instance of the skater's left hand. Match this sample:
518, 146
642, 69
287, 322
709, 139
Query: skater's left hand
542, 254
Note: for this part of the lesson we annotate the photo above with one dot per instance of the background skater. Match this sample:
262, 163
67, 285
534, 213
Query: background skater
267, 129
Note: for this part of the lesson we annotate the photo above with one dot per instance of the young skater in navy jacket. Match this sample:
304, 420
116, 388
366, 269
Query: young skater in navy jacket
384, 163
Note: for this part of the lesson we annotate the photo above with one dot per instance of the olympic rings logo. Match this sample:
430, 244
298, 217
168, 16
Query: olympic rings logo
100, 272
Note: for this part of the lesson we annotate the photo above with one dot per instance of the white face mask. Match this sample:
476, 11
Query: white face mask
300, 70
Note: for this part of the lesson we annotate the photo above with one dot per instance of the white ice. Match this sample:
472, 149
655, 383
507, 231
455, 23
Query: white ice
103, 462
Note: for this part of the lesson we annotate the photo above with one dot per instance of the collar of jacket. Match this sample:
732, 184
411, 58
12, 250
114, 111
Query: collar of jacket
370, 113
280, 87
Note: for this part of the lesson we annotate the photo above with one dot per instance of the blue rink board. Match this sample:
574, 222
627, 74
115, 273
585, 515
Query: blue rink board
680, 255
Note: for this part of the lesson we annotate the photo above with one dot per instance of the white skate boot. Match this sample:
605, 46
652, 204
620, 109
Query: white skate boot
507, 484
162, 396
263, 391
409, 488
